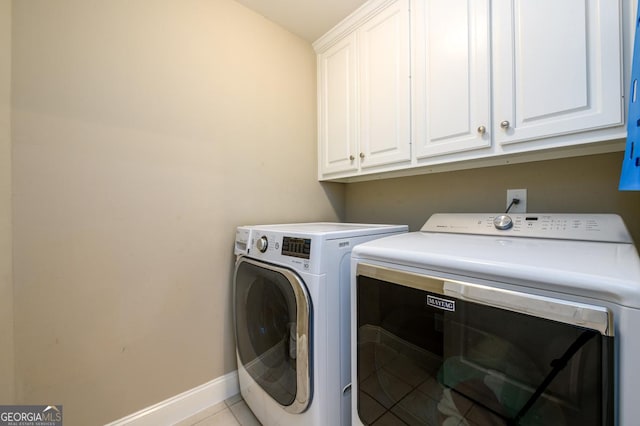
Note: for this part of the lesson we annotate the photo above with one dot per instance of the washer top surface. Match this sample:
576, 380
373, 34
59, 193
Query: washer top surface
607, 271
325, 228
307, 247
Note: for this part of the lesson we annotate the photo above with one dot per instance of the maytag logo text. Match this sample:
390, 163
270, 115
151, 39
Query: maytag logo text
444, 304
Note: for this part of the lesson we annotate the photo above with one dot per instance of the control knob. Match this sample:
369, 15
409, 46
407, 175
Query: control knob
262, 244
503, 222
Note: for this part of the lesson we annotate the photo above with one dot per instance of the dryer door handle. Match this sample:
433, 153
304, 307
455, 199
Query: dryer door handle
579, 314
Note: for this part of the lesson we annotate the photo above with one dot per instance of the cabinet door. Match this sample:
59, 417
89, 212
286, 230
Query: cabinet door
337, 118
451, 75
385, 87
556, 67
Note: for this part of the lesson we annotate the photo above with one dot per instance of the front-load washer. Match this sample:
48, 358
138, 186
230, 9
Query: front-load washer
292, 319
484, 319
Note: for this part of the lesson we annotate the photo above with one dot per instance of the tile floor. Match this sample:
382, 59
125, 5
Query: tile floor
399, 386
232, 412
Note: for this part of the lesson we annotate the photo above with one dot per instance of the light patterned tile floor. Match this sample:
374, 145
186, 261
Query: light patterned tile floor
232, 412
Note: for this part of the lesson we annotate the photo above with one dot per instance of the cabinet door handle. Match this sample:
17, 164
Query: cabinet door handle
504, 124
482, 130
362, 155
351, 158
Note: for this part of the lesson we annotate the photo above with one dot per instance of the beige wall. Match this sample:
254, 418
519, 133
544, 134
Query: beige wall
583, 184
145, 131
6, 283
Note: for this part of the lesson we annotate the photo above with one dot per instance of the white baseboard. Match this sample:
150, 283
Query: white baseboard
184, 405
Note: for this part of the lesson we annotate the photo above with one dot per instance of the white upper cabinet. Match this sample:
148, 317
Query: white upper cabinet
385, 87
511, 71
415, 86
557, 67
452, 103
364, 91
337, 118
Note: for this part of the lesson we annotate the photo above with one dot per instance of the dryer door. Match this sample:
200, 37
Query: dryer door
438, 351
272, 327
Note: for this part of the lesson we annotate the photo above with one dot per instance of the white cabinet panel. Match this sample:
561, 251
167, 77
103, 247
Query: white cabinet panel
555, 71
480, 82
337, 95
550, 81
384, 87
364, 91
451, 76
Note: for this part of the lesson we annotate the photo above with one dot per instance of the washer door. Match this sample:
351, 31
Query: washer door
272, 325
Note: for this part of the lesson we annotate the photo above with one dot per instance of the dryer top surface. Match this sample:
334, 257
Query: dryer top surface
603, 270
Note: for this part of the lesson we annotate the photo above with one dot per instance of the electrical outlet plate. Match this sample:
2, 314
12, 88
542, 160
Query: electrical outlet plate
520, 194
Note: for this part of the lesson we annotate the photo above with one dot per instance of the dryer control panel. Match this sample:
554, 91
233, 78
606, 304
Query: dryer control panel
562, 226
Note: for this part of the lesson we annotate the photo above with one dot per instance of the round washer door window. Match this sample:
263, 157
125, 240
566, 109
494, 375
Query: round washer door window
272, 317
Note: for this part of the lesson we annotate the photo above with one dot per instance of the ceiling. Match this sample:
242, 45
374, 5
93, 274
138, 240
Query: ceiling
308, 19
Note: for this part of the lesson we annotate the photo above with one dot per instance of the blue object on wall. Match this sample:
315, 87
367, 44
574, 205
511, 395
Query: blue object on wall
630, 177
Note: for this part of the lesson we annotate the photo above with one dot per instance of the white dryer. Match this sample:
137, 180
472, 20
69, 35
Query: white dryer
292, 319
484, 319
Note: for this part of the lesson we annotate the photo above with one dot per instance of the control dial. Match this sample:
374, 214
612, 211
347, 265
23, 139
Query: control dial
262, 244
503, 222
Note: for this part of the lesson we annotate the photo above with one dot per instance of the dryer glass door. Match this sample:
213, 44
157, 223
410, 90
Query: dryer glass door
438, 352
272, 317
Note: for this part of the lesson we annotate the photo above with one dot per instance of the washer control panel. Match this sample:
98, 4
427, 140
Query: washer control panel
581, 227
296, 247
243, 238
262, 244
276, 247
